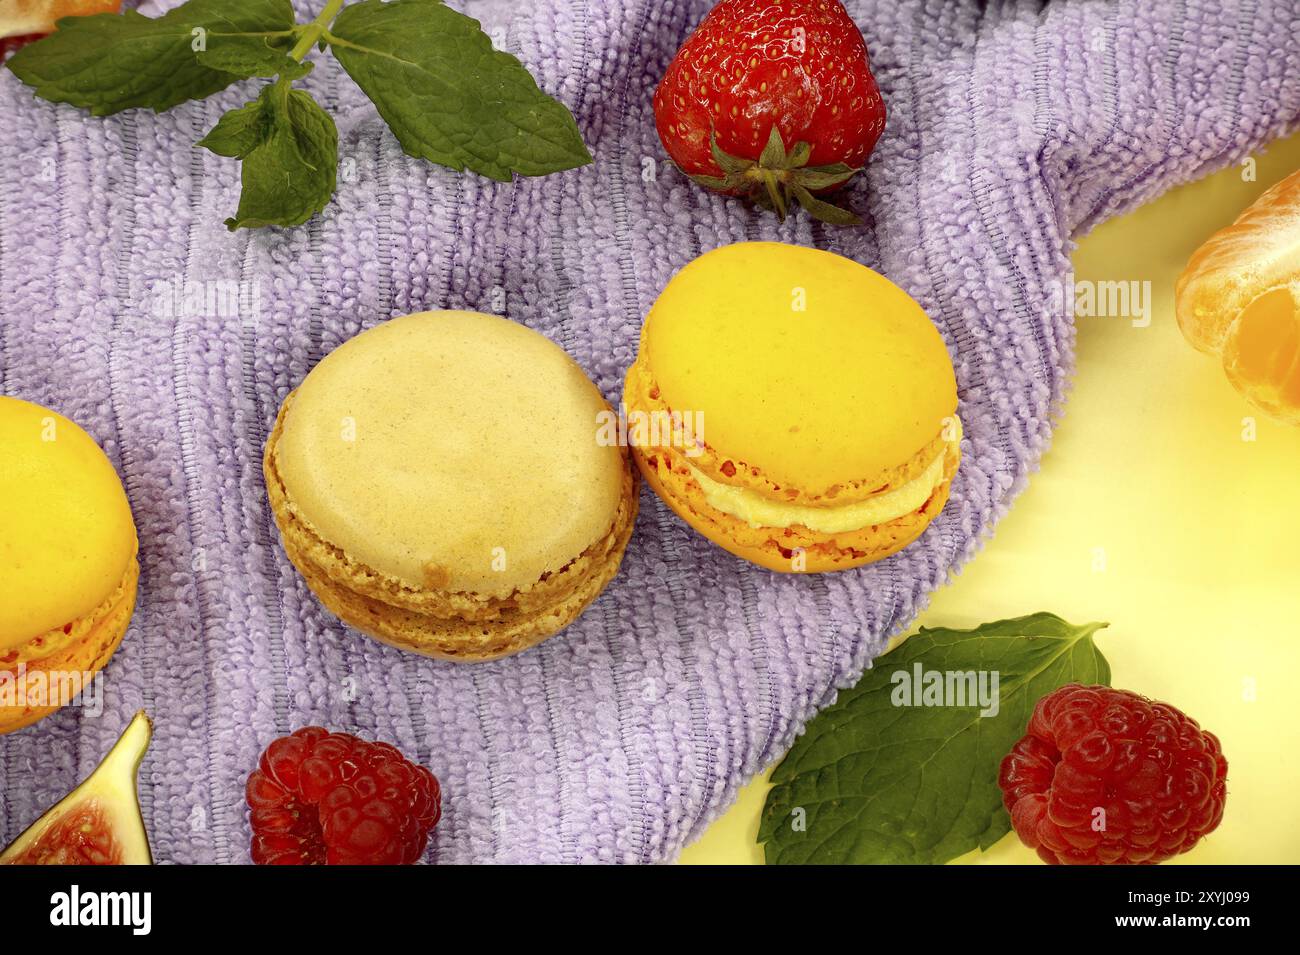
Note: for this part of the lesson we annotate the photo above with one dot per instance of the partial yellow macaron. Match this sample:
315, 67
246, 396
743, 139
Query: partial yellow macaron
68, 568
439, 482
794, 407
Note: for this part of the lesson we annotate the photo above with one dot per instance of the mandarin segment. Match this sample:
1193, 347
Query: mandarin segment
1237, 299
1259, 251
1262, 353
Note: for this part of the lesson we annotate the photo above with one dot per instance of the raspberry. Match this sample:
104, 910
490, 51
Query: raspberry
1160, 779
322, 798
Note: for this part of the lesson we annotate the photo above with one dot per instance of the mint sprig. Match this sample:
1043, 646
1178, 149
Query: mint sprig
289, 148
870, 781
432, 73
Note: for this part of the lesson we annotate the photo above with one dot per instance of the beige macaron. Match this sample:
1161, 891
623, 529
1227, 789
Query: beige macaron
440, 483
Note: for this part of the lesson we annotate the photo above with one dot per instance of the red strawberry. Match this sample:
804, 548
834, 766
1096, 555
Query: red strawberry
774, 100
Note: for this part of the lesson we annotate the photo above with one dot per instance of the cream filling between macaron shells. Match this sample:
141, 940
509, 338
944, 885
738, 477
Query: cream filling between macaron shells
759, 511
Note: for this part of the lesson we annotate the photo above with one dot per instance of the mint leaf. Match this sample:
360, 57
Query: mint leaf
289, 148
109, 62
239, 131
254, 55
448, 96
880, 783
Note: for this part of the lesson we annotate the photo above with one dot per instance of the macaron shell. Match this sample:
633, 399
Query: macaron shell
803, 363
88, 655
510, 631
453, 451
66, 531
445, 624
643, 402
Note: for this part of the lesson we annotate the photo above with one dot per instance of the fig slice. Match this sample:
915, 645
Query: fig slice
99, 822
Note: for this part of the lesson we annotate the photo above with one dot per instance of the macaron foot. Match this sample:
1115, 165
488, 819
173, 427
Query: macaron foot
96, 640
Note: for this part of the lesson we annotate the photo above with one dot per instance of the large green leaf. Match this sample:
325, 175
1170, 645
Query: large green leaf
110, 62
448, 96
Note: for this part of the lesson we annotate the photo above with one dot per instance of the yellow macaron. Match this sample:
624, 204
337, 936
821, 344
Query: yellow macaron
795, 407
68, 568
439, 483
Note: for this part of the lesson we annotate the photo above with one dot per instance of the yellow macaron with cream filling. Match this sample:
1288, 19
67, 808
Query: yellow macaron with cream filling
795, 407
439, 482
68, 567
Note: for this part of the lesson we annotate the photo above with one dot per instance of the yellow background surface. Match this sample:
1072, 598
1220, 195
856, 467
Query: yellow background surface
1152, 511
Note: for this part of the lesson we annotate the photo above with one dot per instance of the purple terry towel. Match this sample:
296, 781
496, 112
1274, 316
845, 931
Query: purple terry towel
1013, 127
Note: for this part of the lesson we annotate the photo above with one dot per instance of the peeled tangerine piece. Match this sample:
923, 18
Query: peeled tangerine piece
1239, 298
1262, 353
99, 822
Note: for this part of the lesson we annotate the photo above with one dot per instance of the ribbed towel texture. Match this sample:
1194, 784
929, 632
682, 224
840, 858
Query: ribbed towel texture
1012, 128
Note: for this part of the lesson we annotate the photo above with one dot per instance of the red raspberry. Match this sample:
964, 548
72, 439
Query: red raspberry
1160, 779
322, 798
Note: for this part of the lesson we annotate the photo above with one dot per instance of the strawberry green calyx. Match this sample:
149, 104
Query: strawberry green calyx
779, 179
